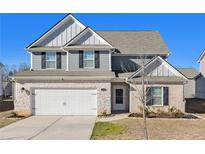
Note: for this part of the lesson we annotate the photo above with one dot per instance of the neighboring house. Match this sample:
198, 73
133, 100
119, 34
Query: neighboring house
78, 71
200, 80
1, 80
190, 87
7, 89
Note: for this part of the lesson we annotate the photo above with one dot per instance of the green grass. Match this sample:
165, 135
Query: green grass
106, 128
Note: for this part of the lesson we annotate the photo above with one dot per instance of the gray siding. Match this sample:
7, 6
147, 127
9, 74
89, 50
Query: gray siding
36, 60
62, 35
200, 87
159, 69
74, 62
88, 39
131, 63
189, 89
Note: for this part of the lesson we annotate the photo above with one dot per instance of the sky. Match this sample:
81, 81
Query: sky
184, 34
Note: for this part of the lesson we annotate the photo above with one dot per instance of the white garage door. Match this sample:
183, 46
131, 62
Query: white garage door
65, 102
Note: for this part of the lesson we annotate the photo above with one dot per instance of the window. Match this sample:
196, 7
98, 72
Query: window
50, 60
118, 96
88, 59
157, 96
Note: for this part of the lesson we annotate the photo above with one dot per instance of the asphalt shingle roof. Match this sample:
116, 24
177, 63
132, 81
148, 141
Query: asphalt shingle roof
136, 42
63, 73
190, 73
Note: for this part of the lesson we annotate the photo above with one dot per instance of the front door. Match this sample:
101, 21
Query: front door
119, 101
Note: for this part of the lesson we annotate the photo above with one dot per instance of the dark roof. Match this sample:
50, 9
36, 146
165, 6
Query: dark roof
190, 73
63, 73
160, 80
136, 42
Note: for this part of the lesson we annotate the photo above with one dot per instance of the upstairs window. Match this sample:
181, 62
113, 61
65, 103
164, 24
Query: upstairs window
88, 59
51, 60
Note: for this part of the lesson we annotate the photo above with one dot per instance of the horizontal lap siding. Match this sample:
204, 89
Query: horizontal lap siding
74, 62
36, 60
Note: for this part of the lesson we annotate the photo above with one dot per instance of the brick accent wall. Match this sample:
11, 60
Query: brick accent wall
22, 102
176, 98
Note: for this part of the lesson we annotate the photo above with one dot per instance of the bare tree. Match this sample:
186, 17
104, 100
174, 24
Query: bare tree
9, 71
23, 67
143, 91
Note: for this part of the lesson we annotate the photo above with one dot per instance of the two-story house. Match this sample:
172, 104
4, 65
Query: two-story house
76, 70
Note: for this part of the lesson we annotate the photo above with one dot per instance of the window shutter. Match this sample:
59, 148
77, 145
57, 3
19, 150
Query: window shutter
166, 96
97, 59
148, 96
80, 59
43, 60
58, 54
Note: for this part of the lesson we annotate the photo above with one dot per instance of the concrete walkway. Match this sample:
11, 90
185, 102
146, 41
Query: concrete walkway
113, 117
50, 128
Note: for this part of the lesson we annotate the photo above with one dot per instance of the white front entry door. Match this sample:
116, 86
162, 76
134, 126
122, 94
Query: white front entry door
65, 102
119, 95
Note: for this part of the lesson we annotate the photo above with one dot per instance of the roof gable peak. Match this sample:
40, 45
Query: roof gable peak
67, 18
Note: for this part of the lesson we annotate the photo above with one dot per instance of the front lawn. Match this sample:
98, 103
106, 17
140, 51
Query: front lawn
158, 129
102, 129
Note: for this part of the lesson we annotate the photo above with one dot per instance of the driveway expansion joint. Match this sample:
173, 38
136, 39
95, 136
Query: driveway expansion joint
43, 130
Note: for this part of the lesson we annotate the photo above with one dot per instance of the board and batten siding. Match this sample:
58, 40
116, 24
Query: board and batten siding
36, 60
88, 39
62, 35
160, 70
73, 62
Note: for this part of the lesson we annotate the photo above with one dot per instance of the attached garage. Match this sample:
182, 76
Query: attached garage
53, 101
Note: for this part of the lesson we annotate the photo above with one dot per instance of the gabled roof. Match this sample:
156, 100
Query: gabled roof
201, 56
47, 33
81, 34
168, 65
136, 42
190, 73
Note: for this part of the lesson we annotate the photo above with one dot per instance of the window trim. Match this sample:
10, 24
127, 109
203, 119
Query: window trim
84, 52
51, 61
162, 97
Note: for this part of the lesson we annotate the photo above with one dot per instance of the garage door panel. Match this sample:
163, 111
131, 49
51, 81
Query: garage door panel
65, 102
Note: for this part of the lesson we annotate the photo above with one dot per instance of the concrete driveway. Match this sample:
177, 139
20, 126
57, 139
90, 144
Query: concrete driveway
50, 128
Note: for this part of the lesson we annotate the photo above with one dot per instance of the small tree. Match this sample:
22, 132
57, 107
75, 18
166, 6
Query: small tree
143, 91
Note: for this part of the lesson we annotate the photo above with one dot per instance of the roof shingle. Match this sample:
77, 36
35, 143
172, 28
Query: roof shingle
136, 42
190, 73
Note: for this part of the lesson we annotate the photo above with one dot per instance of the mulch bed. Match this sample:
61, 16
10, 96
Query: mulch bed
165, 115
